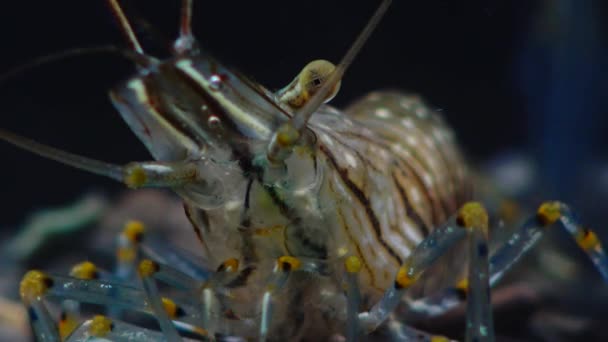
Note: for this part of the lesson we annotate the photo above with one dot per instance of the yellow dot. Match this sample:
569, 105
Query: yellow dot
587, 239
101, 326
230, 265
353, 264
289, 263
438, 338
170, 307
135, 176
34, 284
473, 215
147, 268
67, 325
548, 213
287, 135
84, 270
463, 285
403, 279
134, 230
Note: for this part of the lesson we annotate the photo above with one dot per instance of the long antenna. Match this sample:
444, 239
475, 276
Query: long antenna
185, 42
143, 61
185, 28
125, 26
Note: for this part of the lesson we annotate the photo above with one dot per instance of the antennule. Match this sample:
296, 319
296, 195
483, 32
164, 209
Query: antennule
185, 42
125, 26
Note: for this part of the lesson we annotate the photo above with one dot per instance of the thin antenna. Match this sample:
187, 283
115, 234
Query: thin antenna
300, 119
185, 42
185, 28
125, 26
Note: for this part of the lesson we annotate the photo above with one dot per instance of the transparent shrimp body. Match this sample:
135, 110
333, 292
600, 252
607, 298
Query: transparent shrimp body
313, 222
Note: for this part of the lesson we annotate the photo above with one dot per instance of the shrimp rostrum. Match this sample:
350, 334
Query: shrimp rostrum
314, 223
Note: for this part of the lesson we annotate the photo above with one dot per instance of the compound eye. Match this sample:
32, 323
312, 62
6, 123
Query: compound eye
314, 75
307, 83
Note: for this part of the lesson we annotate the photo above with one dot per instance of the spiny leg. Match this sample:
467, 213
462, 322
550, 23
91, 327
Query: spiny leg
166, 310
37, 285
132, 245
424, 255
32, 289
352, 265
70, 309
101, 327
534, 228
284, 266
211, 297
479, 324
516, 246
127, 249
471, 221
484, 273
147, 268
398, 330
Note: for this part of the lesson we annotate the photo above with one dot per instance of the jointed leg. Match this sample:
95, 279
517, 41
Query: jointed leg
520, 242
483, 272
113, 330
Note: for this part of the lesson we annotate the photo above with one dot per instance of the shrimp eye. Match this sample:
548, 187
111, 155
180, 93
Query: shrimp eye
307, 83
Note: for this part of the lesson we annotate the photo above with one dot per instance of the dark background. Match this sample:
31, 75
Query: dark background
510, 75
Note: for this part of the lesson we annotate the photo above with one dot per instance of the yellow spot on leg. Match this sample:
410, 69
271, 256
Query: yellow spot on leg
135, 176
288, 263
67, 324
134, 231
548, 213
587, 239
84, 270
230, 265
463, 285
170, 307
287, 136
147, 268
34, 284
101, 326
473, 215
404, 279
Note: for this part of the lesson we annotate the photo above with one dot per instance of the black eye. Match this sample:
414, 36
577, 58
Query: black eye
317, 82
